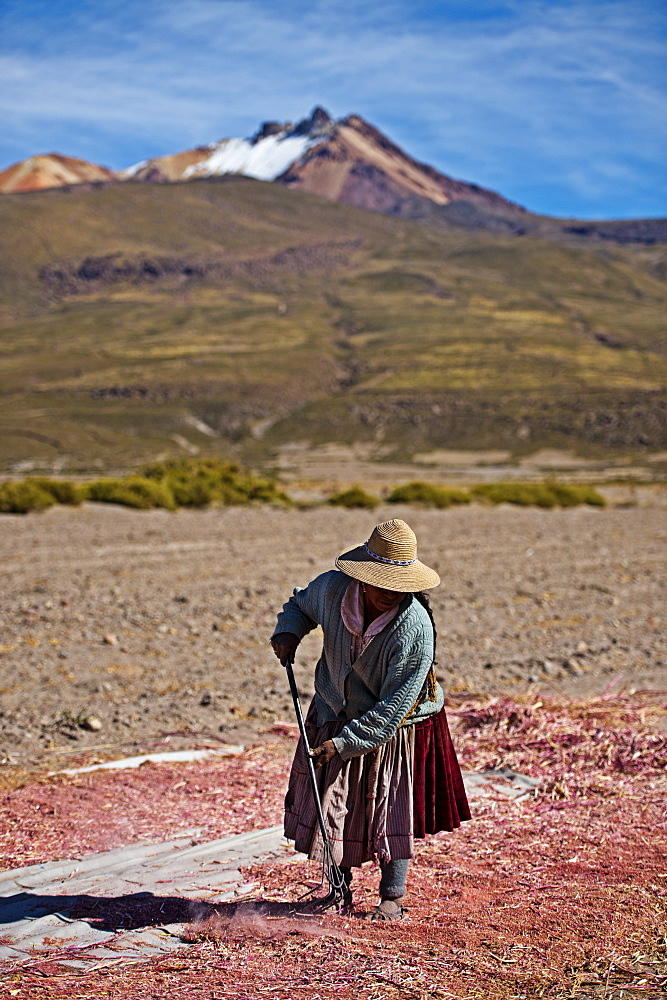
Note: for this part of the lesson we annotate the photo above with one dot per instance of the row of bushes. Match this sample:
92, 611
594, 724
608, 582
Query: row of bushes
37, 494
170, 485
546, 494
202, 482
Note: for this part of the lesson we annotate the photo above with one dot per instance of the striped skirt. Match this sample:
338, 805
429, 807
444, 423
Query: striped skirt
375, 805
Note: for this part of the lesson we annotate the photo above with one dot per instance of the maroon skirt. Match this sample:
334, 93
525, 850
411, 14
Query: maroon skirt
439, 796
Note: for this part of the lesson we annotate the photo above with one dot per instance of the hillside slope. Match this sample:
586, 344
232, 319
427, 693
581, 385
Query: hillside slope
230, 316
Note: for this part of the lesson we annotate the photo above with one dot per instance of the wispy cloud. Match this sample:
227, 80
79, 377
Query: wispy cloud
560, 105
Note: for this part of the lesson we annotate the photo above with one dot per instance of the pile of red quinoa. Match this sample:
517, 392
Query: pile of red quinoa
561, 894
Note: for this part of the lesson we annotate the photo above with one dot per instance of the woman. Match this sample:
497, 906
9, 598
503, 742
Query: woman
387, 767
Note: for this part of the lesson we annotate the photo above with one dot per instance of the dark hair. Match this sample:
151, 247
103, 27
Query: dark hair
425, 602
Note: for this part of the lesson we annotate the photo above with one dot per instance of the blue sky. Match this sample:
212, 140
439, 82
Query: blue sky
558, 104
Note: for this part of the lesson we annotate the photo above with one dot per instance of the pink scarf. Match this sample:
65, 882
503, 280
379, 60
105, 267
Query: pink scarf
352, 613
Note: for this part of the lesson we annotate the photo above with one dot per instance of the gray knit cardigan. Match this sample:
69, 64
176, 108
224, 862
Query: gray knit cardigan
378, 692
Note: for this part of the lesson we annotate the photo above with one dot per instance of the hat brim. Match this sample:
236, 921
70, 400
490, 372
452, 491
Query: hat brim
405, 579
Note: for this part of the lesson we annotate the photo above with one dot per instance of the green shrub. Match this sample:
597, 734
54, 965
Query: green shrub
592, 497
354, 497
24, 496
428, 494
62, 490
547, 494
133, 491
572, 496
197, 482
521, 494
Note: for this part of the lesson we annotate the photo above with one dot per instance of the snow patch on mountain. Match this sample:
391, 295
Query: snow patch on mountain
265, 159
134, 169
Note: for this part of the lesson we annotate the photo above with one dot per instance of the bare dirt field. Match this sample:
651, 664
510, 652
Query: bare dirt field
121, 626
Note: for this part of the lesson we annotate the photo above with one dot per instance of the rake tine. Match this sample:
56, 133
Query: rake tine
333, 873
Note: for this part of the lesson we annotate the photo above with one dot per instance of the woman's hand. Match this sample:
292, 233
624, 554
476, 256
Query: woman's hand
325, 753
284, 646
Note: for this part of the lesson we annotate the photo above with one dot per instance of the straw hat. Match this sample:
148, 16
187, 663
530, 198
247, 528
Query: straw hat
389, 560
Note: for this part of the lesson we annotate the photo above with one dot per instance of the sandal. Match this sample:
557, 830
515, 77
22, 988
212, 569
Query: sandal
380, 913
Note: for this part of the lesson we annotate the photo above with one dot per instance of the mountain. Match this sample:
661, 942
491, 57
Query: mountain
51, 170
233, 317
347, 160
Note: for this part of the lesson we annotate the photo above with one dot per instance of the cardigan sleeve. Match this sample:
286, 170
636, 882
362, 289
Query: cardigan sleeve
301, 613
408, 665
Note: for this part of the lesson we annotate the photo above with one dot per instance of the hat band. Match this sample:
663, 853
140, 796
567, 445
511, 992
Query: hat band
391, 562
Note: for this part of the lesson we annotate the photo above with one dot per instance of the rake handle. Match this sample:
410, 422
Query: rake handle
306, 746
